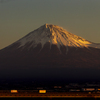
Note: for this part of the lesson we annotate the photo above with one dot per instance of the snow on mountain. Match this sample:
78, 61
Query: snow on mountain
95, 45
54, 35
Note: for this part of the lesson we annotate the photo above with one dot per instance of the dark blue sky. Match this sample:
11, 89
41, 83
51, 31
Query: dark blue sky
19, 17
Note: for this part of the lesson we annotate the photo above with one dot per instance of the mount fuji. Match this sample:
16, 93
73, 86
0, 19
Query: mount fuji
51, 53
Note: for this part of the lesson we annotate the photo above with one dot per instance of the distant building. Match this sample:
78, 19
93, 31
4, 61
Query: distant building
88, 89
74, 90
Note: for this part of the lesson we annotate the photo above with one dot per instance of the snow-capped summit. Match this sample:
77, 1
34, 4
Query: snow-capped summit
54, 35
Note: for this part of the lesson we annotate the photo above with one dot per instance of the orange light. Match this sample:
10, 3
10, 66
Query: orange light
42, 91
14, 91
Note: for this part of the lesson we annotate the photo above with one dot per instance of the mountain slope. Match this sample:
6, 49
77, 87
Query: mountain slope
51, 52
54, 35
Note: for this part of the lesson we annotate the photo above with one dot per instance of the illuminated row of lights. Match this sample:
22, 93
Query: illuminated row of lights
40, 91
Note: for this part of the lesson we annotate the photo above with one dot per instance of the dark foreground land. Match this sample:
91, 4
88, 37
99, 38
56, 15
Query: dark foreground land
51, 95
54, 91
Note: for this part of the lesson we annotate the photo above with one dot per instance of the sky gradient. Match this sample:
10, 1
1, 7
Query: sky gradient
19, 17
